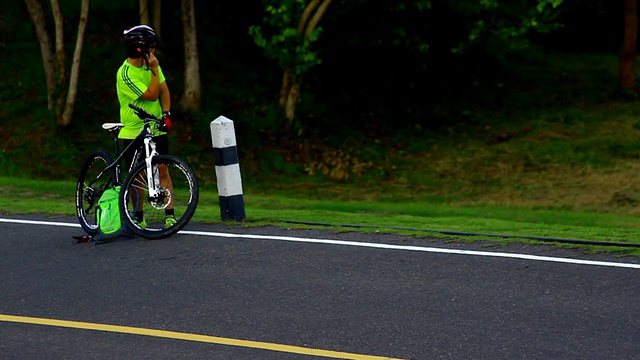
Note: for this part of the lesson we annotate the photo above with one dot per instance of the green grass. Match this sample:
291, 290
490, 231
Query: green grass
424, 219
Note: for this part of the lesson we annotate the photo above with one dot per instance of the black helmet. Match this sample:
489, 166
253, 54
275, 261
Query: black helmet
139, 39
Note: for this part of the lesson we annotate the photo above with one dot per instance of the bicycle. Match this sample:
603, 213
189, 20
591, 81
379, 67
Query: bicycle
142, 188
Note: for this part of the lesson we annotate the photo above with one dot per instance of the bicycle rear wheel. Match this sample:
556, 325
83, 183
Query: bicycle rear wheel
92, 182
180, 193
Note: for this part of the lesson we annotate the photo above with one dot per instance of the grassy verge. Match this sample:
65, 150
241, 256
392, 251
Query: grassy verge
424, 219
554, 156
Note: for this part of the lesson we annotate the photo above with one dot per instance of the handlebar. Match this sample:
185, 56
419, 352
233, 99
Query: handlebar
143, 115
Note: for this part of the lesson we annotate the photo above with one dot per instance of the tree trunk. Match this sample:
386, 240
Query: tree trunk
60, 71
628, 52
75, 67
286, 87
290, 90
316, 18
192, 89
306, 14
144, 12
58, 21
37, 16
157, 12
292, 100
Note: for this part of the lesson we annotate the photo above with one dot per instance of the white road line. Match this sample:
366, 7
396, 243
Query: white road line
370, 245
37, 222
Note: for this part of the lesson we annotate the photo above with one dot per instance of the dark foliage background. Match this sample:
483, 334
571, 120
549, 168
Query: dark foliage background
368, 88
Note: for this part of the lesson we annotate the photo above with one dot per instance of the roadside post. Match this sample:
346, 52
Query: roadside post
227, 166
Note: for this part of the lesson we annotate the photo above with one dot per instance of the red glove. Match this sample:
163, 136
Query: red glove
166, 124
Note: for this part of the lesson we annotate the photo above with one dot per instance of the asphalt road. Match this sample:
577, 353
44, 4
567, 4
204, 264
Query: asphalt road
207, 296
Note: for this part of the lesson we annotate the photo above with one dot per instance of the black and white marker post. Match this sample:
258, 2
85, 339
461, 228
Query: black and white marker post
228, 176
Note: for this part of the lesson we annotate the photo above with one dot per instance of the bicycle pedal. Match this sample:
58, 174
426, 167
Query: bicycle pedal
82, 239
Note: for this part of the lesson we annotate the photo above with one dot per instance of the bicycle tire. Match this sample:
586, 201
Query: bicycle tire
182, 194
90, 186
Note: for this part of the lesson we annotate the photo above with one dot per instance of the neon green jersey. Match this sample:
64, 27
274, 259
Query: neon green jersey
131, 83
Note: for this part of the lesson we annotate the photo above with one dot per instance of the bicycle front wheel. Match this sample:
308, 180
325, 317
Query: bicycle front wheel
147, 214
92, 182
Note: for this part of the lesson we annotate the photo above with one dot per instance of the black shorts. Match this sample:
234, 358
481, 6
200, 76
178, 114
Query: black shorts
162, 147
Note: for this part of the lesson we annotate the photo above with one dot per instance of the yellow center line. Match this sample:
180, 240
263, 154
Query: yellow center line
190, 337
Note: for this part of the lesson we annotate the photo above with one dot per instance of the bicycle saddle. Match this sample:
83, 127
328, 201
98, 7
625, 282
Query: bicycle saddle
112, 126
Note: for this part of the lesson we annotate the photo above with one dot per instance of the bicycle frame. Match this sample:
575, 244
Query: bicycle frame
149, 150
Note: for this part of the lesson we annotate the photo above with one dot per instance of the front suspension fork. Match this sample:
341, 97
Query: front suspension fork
153, 176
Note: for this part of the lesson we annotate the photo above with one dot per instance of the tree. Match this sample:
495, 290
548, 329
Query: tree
67, 114
508, 22
144, 12
294, 24
157, 12
54, 66
629, 43
290, 30
151, 15
192, 88
37, 16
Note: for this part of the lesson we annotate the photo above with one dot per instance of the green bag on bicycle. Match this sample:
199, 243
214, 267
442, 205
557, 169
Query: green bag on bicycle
109, 221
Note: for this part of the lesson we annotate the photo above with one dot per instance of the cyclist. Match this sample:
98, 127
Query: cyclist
140, 81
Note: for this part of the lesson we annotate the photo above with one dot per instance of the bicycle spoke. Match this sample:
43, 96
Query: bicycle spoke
176, 194
92, 182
